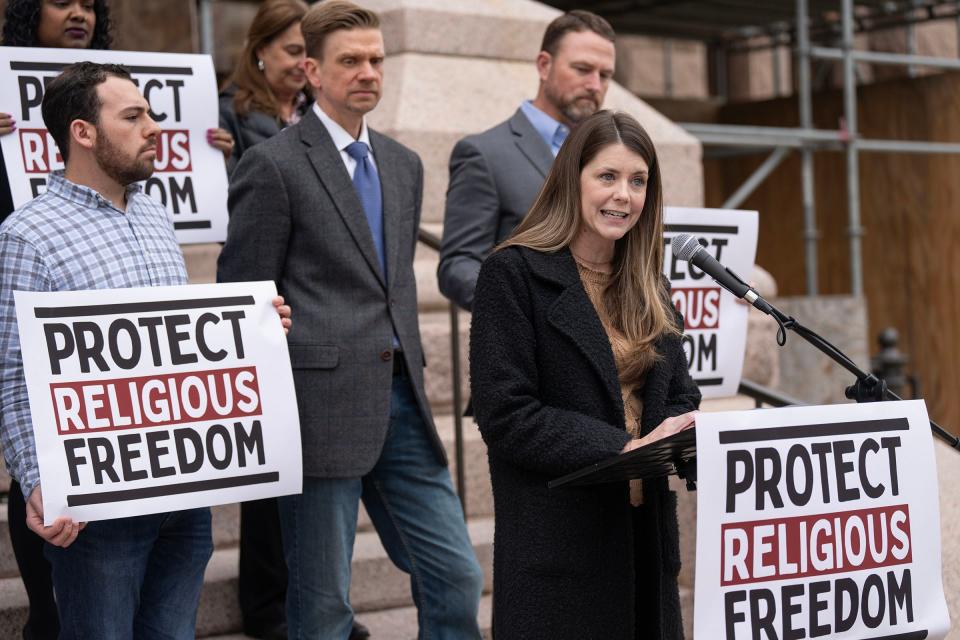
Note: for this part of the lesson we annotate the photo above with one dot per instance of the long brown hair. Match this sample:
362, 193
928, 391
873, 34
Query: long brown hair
636, 298
253, 93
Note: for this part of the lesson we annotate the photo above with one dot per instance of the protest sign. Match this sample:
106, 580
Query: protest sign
157, 399
715, 326
823, 522
190, 176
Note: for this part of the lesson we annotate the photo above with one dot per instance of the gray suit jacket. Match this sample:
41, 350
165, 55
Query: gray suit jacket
295, 218
494, 178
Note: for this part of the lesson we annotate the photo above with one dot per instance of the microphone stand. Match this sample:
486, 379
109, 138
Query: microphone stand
867, 388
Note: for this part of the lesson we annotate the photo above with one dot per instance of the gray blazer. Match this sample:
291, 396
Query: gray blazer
295, 218
494, 178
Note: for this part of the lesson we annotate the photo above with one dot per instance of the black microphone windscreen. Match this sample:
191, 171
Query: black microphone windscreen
685, 246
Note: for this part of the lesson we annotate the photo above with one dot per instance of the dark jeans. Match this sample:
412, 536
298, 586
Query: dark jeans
134, 577
417, 515
43, 623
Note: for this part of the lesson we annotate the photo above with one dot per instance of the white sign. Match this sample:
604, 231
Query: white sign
715, 326
190, 177
818, 522
158, 399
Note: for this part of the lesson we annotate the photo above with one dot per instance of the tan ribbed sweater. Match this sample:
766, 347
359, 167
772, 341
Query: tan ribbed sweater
594, 282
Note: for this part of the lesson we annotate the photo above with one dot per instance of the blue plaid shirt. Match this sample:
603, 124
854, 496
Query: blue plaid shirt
68, 239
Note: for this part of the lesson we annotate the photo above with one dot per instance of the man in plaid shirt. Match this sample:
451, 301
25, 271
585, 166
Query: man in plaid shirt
137, 577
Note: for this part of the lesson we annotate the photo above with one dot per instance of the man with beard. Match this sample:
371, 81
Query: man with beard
495, 175
137, 577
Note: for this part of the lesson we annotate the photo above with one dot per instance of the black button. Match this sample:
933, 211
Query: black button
386, 354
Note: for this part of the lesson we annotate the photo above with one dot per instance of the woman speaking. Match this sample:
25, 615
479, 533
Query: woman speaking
575, 357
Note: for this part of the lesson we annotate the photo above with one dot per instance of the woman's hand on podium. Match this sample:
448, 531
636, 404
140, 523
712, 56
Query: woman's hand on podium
666, 428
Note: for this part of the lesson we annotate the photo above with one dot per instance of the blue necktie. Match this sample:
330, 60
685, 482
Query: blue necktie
367, 183
559, 136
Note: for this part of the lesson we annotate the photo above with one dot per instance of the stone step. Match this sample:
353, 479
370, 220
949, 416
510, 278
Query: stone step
398, 624
376, 585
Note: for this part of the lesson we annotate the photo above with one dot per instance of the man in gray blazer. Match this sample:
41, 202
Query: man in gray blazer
329, 209
496, 175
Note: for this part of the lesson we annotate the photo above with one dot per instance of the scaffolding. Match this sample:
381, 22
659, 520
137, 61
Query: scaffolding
728, 26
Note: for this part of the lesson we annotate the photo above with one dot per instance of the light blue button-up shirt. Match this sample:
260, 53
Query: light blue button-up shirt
552, 132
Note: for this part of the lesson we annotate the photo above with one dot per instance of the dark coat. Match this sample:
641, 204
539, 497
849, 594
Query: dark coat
248, 130
569, 563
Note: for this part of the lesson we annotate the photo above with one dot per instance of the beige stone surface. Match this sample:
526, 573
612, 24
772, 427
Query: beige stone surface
502, 29
807, 374
661, 67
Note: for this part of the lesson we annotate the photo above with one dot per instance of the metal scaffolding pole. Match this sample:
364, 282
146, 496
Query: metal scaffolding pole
756, 178
810, 233
855, 231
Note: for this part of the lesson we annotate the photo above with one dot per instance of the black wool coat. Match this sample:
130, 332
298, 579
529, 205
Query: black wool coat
578, 563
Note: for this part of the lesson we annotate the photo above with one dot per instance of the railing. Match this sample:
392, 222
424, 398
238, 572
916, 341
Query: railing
761, 395
433, 242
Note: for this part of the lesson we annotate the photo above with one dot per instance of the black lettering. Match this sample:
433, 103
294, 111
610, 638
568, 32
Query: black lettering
841, 622
152, 186
174, 338
763, 622
213, 432
155, 450
182, 194
175, 85
873, 582
841, 467
180, 438
54, 353
36, 184
152, 324
719, 243
203, 321
735, 487
127, 455
799, 452
900, 595
891, 444
818, 604
821, 449
31, 95
707, 352
74, 459
94, 350
873, 491
731, 599
768, 485
252, 442
152, 84
113, 339
102, 465
790, 608
233, 317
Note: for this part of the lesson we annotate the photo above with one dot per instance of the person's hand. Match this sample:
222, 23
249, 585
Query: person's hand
61, 533
666, 428
7, 124
221, 139
284, 312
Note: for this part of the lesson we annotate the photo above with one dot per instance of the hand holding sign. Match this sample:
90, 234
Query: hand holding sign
7, 124
668, 427
61, 533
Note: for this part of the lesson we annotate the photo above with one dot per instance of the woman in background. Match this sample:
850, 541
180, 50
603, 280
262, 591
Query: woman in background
266, 91
575, 357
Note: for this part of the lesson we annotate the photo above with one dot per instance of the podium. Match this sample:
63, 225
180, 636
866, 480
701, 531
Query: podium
676, 454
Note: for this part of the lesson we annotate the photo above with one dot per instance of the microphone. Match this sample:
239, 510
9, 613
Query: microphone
686, 247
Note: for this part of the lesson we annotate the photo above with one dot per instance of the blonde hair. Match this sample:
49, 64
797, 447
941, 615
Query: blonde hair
636, 298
